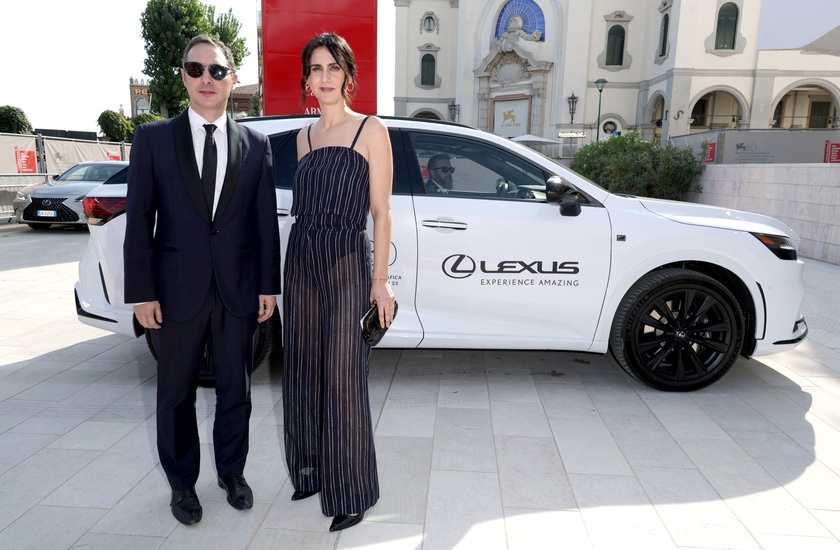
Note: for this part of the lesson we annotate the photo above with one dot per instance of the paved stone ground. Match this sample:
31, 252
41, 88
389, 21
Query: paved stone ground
476, 449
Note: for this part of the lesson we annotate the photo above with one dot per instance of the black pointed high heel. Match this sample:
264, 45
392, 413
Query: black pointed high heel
344, 521
300, 495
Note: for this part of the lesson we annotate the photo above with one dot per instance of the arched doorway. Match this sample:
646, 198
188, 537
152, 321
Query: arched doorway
657, 116
717, 109
806, 106
428, 115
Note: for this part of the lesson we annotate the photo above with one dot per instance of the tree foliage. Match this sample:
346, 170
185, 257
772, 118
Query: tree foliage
226, 28
168, 26
114, 126
629, 164
14, 121
143, 118
254, 102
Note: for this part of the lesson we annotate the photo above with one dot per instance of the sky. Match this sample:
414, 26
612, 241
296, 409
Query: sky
66, 62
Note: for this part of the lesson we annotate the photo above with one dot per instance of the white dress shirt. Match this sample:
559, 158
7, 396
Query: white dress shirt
197, 123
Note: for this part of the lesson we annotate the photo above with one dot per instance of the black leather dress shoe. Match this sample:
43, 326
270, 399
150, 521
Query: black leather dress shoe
239, 494
185, 506
300, 495
343, 522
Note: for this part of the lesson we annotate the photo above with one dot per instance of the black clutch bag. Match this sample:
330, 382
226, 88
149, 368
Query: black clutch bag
371, 329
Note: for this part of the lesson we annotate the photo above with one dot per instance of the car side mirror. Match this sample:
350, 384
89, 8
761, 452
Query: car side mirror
569, 206
556, 192
554, 187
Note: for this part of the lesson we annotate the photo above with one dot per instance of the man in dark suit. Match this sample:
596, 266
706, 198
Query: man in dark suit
202, 265
440, 175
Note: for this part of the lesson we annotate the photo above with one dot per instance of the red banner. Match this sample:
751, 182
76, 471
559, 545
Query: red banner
832, 152
25, 161
288, 26
711, 149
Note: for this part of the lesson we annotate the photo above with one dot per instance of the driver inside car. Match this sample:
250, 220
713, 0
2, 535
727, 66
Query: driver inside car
440, 175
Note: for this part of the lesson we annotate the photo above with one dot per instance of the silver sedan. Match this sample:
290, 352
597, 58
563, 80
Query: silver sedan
59, 202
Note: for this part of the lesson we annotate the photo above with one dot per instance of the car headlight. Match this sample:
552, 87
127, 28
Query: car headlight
22, 197
778, 245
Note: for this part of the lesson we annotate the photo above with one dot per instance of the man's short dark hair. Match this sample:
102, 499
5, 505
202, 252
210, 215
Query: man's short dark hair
216, 43
436, 159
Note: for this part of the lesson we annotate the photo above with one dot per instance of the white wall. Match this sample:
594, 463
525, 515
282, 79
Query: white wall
804, 196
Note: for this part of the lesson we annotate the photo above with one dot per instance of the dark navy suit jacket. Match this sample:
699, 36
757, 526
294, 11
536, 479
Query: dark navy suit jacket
173, 249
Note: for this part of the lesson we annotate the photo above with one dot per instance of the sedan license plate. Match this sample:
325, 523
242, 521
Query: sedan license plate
47, 213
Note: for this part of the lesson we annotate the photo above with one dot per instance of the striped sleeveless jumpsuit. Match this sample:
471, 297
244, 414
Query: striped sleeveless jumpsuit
328, 430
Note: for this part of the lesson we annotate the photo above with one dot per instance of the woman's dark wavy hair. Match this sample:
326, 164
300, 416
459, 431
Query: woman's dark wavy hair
343, 55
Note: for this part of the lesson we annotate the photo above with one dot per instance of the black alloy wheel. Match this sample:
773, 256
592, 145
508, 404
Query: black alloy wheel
263, 344
677, 330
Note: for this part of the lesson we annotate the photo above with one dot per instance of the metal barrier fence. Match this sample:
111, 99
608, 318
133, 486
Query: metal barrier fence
28, 159
10, 184
27, 154
763, 146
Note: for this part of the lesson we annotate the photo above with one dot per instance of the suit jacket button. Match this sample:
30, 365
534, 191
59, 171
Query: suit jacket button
214, 232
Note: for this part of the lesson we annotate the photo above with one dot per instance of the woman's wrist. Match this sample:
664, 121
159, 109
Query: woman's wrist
380, 278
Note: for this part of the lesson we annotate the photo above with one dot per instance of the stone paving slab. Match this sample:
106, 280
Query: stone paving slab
476, 449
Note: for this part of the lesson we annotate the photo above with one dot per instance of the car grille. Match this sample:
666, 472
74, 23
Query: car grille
63, 213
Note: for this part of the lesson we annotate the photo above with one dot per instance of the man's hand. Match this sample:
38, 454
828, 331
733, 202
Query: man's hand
149, 314
267, 303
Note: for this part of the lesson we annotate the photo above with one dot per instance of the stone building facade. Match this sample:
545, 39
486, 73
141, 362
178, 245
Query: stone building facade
671, 67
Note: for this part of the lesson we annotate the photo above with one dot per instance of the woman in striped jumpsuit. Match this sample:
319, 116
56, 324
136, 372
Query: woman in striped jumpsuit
345, 169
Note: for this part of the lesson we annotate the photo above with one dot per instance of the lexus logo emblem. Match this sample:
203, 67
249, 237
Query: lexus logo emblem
459, 266
47, 202
681, 334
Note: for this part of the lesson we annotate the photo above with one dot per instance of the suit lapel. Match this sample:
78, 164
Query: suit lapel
233, 164
185, 153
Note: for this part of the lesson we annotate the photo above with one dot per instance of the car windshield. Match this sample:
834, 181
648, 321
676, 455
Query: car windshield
89, 172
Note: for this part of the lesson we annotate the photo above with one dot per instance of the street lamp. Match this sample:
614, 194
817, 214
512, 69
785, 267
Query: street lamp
572, 99
600, 83
454, 111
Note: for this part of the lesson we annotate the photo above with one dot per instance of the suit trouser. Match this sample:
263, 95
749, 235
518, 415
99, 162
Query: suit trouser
180, 347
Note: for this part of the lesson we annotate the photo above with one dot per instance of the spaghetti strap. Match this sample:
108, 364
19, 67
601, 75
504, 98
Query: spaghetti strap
362, 125
308, 138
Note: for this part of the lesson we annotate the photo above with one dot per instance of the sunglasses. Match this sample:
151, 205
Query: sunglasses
445, 169
196, 69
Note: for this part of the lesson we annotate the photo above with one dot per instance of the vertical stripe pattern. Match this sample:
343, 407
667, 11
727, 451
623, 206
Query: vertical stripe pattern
328, 430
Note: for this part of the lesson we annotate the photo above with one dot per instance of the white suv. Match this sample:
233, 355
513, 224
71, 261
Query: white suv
523, 253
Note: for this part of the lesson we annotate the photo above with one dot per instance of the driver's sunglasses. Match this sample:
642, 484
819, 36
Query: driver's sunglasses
196, 69
445, 169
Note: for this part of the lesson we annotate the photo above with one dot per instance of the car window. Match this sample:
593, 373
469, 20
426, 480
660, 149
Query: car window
284, 147
90, 172
119, 177
285, 158
461, 167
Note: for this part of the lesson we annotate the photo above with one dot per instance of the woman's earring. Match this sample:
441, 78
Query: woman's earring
350, 87
308, 89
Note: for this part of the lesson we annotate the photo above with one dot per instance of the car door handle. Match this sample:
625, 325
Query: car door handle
441, 224
283, 211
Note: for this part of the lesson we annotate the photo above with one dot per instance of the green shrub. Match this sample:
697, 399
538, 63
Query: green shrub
114, 126
143, 118
629, 164
14, 121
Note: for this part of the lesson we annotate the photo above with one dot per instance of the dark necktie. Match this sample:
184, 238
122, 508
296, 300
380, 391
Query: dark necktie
208, 171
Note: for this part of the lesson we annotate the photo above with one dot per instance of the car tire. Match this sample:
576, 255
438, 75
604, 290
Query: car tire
263, 345
39, 225
677, 330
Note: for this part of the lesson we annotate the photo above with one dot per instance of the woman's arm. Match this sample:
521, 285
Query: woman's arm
381, 165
